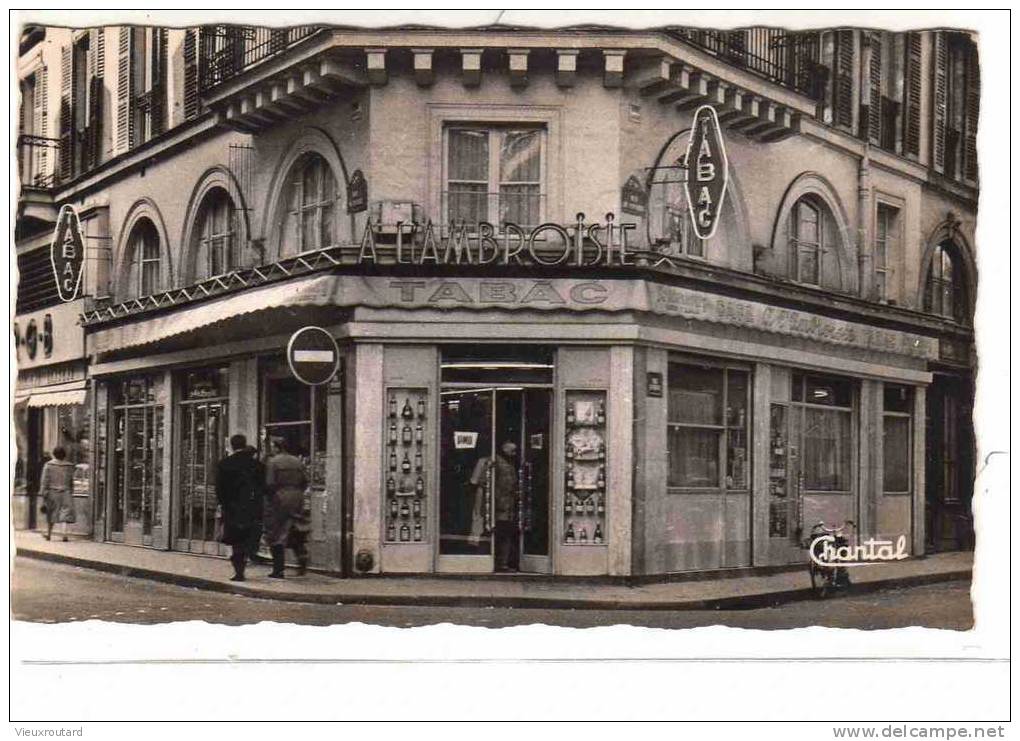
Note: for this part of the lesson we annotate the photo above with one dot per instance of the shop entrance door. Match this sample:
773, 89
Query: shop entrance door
495, 479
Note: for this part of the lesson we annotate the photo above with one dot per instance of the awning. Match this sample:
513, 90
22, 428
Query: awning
57, 399
317, 291
55, 395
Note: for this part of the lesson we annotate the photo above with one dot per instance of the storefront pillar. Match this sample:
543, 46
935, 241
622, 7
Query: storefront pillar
244, 395
761, 398
621, 428
366, 408
918, 514
650, 469
870, 477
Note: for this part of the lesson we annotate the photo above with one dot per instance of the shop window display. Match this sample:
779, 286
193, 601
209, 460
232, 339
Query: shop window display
204, 430
137, 493
584, 497
707, 427
896, 439
405, 465
296, 412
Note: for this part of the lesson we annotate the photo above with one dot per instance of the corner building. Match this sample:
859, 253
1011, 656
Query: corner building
428, 196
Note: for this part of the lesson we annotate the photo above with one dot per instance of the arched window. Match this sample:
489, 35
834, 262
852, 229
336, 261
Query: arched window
807, 241
218, 244
311, 203
144, 269
944, 293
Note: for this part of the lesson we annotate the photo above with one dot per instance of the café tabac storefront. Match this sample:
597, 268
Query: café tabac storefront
656, 426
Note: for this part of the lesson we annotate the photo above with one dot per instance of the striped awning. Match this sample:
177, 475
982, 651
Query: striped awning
56, 395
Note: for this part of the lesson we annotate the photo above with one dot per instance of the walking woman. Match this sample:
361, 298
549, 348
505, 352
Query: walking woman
56, 487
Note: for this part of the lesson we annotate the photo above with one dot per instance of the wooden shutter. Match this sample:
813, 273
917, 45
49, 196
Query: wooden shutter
912, 94
40, 124
95, 125
939, 101
874, 122
97, 53
843, 79
191, 100
66, 152
125, 91
158, 91
971, 111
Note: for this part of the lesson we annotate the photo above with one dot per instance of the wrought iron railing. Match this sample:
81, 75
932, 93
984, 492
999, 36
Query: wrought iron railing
37, 160
790, 59
227, 51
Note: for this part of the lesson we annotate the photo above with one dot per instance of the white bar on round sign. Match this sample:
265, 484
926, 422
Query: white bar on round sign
313, 356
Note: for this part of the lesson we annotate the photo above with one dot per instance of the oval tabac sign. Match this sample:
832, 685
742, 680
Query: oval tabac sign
706, 172
67, 253
313, 355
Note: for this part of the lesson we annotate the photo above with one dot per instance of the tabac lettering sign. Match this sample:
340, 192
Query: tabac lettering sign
67, 253
706, 172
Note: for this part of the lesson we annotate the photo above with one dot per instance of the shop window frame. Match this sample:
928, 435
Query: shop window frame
723, 429
908, 415
800, 407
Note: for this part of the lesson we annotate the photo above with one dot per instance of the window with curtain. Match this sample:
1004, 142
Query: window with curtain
217, 236
495, 175
311, 219
805, 228
826, 405
707, 427
145, 267
897, 407
944, 288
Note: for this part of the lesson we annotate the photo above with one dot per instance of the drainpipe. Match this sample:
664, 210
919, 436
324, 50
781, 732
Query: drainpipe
865, 280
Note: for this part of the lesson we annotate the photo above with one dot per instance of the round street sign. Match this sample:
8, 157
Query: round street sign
313, 355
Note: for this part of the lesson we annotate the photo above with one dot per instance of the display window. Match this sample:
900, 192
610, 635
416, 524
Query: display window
137, 457
203, 433
707, 427
897, 406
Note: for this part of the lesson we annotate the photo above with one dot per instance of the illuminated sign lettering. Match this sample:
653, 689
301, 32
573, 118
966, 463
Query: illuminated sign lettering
706, 172
67, 253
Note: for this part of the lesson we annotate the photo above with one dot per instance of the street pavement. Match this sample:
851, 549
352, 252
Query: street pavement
53, 592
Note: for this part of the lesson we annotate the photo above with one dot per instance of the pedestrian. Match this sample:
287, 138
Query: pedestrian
505, 496
255, 540
239, 490
56, 487
286, 523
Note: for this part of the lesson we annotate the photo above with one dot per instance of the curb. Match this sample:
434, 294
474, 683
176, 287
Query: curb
740, 602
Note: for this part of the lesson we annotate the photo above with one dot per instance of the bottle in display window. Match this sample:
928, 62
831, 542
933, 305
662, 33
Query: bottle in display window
585, 485
405, 471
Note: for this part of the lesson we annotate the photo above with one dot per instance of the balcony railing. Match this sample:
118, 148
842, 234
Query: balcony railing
790, 59
37, 160
227, 51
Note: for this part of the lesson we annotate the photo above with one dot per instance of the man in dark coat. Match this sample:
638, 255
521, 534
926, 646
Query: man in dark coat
239, 489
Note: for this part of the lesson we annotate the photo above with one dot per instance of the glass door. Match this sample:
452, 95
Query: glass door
534, 453
466, 480
204, 433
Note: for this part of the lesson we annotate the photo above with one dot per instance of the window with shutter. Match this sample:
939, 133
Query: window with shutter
874, 122
843, 85
973, 106
191, 100
938, 101
912, 95
125, 90
66, 151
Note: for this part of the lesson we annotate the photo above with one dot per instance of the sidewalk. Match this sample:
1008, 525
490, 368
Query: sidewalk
205, 572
